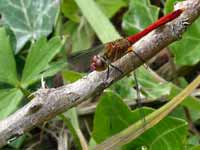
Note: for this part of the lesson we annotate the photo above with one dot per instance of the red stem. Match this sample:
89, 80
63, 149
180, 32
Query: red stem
163, 20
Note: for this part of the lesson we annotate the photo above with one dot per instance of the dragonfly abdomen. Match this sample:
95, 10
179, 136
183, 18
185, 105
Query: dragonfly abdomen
116, 49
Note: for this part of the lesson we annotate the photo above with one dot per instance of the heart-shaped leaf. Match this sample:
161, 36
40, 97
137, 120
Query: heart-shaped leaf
125, 88
169, 5
140, 15
187, 51
29, 19
112, 116
151, 87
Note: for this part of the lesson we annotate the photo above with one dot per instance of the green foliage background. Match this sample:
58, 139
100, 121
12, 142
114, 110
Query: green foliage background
35, 35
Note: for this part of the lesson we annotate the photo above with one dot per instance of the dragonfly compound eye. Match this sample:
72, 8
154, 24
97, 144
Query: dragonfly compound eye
97, 64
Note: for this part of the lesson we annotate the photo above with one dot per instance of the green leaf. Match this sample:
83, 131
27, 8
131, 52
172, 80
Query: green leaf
190, 102
70, 76
40, 54
193, 140
125, 88
150, 87
195, 148
140, 15
70, 10
187, 51
82, 35
92, 142
29, 19
18, 142
169, 134
112, 116
8, 72
9, 101
73, 117
97, 19
169, 5
51, 70
111, 7
54, 67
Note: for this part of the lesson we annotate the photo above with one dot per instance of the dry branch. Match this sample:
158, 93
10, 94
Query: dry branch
50, 102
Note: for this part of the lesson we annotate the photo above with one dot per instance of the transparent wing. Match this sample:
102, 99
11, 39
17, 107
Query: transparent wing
80, 61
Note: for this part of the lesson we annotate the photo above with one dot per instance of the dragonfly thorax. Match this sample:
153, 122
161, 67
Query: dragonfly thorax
111, 52
116, 49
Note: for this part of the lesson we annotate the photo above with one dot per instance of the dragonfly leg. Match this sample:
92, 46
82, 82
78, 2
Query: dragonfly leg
108, 64
116, 68
145, 65
137, 88
108, 70
139, 99
108, 73
139, 56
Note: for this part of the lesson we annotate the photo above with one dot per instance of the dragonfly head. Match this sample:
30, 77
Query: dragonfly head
98, 63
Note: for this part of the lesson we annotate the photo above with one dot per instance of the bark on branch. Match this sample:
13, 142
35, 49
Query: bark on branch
50, 102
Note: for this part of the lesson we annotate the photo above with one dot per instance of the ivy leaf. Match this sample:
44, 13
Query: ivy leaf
125, 88
187, 51
140, 15
151, 87
112, 116
169, 5
29, 19
7, 60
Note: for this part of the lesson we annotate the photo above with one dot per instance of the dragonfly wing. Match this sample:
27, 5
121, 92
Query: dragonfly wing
80, 61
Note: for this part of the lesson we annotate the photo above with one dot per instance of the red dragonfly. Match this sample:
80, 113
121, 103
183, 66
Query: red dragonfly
114, 50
